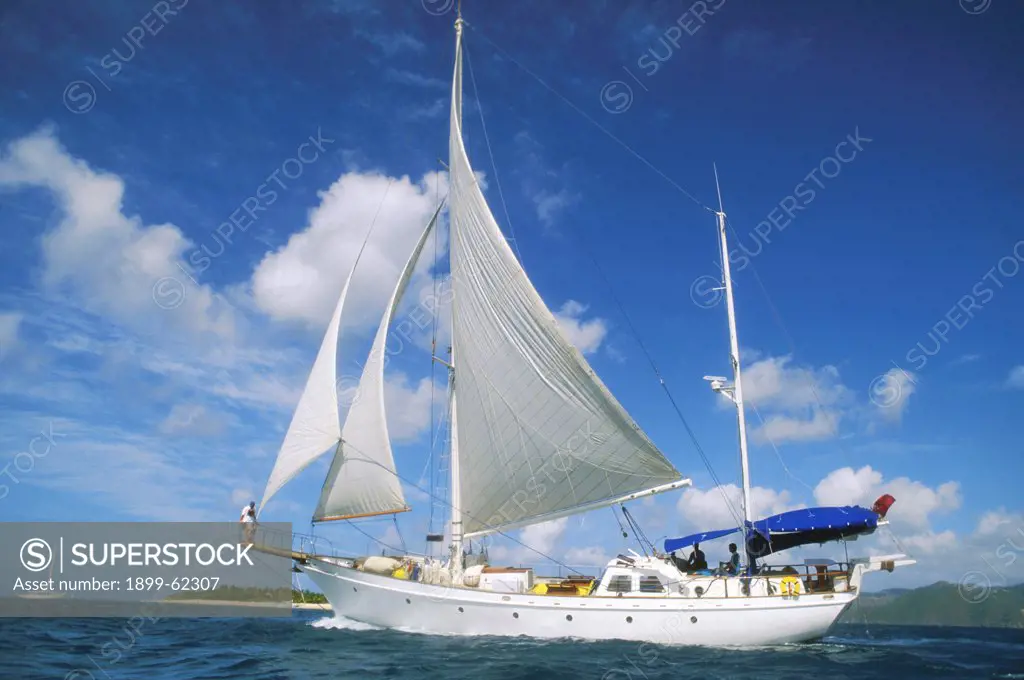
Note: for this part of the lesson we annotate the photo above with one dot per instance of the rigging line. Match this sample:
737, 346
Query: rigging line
641, 537
625, 534
895, 540
593, 122
490, 152
776, 450
789, 336
448, 503
661, 380
433, 353
399, 532
377, 540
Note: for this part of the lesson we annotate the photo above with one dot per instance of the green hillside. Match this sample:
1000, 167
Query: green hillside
940, 604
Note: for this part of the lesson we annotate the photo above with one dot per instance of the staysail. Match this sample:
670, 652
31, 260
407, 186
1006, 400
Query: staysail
315, 426
362, 479
539, 434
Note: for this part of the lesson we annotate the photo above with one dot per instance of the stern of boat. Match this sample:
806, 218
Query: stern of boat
865, 565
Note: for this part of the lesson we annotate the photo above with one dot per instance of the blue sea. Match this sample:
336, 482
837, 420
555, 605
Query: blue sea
314, 646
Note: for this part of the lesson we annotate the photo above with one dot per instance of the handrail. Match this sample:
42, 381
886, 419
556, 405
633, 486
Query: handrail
295, 542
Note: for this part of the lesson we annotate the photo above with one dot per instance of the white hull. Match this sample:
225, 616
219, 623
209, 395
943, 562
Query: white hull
720, 621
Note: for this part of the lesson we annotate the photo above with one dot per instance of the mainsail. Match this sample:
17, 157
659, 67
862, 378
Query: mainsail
539, 434
362, 480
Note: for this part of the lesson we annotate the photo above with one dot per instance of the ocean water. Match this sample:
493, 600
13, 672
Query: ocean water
312, 646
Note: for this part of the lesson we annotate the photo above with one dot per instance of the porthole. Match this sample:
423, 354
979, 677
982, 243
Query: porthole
629, 619
568, 617
693, 619
355, 590
515, 615
408, 601
461, 610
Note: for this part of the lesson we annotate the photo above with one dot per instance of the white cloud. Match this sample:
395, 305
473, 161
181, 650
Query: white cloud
1016, 377
242, 497
543, 537
536, 543
708, 509
915, 501
931, 543
996, 520
778, 428
774, 383
194, 420
539, 178
10, 322
891, 392
112, 262
549, 204
585, 335
302, 280
408, 406
796, 403
590, 556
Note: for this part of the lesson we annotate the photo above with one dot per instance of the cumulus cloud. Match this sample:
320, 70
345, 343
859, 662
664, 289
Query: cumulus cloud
916, 502
774, 382
544, 536
110, 261
994, 521
796, 403
930, 543
709, 509
586, 335
302, 280
778, 428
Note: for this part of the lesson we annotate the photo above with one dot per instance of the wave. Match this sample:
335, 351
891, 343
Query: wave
341, 623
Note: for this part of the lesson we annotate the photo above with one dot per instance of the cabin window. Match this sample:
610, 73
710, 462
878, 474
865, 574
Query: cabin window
651, 584
620, 584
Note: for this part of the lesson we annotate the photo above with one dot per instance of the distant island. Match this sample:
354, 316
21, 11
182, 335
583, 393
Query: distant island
939, 604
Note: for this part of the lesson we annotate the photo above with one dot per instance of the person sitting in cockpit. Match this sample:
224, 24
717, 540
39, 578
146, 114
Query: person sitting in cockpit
732, 567
697, 561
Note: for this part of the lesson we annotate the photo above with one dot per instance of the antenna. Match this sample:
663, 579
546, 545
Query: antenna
718, 188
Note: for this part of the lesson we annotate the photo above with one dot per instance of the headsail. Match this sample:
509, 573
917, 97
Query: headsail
539, 433
315, 426
362, 480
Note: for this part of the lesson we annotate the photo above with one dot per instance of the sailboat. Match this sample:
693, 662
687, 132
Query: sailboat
536, 436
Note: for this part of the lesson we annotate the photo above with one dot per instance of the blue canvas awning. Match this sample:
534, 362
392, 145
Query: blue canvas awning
673, 544
793, 528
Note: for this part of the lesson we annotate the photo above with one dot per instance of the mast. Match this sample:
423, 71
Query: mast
453, 460
737, 386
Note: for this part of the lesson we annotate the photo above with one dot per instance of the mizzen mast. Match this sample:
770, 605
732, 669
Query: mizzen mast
734, 391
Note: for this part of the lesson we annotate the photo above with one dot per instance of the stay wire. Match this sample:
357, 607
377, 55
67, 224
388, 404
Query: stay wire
785, 331
490, 152
664, 384
416, 486
590, 119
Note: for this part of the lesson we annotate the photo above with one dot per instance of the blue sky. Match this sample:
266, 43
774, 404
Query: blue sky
165, 378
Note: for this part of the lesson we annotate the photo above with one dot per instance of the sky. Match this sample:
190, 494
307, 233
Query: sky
184, 187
